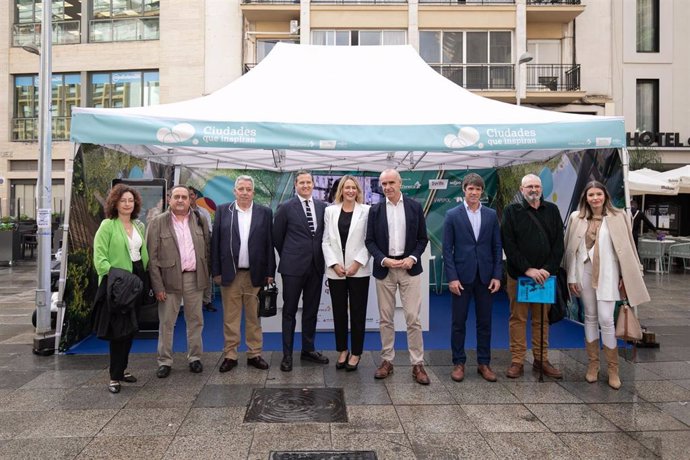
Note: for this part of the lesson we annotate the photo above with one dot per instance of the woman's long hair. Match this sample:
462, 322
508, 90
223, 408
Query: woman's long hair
584, 207
114, 196
341, 186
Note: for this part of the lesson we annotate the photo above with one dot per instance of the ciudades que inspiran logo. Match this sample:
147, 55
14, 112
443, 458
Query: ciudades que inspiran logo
178, 133
465, 137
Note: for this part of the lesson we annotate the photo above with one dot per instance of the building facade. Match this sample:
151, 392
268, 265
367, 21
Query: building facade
577, 56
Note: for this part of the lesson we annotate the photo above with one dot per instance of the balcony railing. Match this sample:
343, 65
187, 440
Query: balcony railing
26, 129
552, 77
467, 2
478, 76
122, 30
64, 33
553, 2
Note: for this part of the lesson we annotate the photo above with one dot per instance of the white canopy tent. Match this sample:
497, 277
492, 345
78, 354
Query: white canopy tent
365, 108
346, 108
679, 177
642, 183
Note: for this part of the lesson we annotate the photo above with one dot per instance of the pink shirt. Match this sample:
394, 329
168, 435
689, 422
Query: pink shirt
185, 243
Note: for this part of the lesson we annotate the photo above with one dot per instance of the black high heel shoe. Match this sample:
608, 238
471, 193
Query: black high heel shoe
342, 365
352, 367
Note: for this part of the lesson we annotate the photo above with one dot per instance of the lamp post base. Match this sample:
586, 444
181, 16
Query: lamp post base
44, 345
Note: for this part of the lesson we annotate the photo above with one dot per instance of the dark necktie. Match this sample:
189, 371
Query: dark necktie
310, 218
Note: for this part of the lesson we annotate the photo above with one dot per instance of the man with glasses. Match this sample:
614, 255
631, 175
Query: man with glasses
532, 233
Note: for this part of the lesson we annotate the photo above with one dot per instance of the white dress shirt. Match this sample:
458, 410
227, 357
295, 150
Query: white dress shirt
475, 219
395, 214
244, 222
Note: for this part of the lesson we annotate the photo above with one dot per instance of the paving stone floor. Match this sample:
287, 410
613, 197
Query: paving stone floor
58, 406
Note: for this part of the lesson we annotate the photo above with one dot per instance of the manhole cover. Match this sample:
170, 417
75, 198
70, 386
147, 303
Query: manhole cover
287, 405
354, 455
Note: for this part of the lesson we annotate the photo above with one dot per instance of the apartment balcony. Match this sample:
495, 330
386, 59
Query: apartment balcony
467, 2
123, 30
554, 11
64, 33
270, 10
26, 129
545, 83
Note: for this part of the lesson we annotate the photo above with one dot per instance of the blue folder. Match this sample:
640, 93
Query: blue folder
529, 291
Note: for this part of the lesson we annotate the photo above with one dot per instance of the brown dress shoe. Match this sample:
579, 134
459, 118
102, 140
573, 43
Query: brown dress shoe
420, 375
384, 370
515, 370
485, 371
458, 373
548, 369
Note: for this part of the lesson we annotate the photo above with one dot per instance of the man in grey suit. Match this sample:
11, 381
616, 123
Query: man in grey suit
242, 261
178, 244
297, 235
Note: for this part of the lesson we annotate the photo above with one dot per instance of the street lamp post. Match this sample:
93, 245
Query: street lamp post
44, 340
524, 57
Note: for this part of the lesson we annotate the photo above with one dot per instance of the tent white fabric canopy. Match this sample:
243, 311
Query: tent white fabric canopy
679, 176
346, 108
642, 183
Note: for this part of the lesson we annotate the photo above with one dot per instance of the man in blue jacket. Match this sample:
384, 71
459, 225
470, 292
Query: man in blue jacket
472, 256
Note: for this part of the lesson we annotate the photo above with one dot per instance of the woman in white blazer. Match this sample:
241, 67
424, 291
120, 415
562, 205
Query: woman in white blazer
602, 266
348, 270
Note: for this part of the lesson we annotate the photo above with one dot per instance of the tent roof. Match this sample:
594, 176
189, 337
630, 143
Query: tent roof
319, 107
642, 183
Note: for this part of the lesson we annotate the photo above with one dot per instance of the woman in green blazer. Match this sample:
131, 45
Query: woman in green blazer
120, 242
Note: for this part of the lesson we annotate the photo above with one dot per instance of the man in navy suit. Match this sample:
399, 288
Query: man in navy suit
297, 235
396, 237
472, 255
242, 261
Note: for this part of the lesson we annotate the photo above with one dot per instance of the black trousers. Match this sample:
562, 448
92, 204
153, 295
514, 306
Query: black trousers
119, 357
355, 292
119, 349
307, 286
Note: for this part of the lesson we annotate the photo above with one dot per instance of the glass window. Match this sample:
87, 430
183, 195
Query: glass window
124, 89
647, 26
358, 37
477, 47
120, 20
500, 51
27, 22
66, 93
429, 45
647, 105
452, 47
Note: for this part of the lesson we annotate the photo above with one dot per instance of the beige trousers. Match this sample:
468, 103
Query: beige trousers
411, 298
517, 326
167, 316
241, 292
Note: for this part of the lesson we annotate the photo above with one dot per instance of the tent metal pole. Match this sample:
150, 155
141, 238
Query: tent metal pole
65, 248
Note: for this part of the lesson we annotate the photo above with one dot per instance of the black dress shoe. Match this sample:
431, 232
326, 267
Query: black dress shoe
129, 378
114, 386
227, 364
196, 366
209, 307
352, 367
314, 357
163, 372
286, 364
257, 362
342, 364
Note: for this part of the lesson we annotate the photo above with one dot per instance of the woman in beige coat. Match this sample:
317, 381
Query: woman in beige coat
602, 266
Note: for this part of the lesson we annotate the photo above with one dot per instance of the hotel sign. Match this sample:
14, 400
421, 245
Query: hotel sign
649, 138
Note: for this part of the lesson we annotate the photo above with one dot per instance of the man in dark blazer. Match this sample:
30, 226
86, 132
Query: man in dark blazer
297, 235
473, 260
178, 245
396, 238
242, 261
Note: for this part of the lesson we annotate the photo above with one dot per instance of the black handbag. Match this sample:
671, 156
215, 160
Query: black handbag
268, 300
559, 308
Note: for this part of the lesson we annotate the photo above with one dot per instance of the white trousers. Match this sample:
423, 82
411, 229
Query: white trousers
598, 313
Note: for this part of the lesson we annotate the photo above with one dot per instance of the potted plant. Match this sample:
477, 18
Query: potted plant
10, 240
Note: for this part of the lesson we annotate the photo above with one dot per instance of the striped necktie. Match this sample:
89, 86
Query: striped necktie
310, 218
